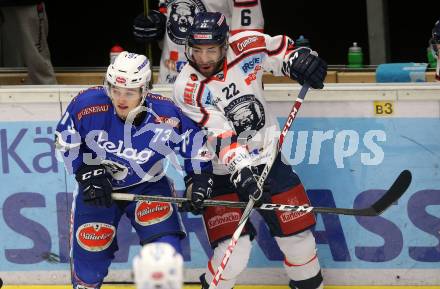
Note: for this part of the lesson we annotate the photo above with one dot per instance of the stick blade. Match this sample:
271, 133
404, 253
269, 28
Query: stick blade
397, 189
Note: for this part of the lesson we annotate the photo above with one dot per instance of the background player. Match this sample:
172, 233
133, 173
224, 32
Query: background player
171, 24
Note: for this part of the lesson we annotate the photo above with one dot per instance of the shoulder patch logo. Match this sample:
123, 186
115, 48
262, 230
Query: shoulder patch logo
248, 43
92, 110
188, 94
159, 97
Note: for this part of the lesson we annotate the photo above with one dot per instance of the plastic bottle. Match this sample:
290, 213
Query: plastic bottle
114, 52
301, 41
432, 61
355, 56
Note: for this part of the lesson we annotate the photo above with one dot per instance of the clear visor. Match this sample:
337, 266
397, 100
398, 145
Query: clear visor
116, 92
205, 54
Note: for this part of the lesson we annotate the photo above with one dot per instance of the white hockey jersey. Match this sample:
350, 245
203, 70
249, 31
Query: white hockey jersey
231, 102
240, 15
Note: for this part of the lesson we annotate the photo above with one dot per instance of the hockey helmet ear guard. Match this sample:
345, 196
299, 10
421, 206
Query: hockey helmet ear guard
129, 70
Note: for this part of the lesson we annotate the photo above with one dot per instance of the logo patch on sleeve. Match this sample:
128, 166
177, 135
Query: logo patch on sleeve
95, 237
150, 213
248, 43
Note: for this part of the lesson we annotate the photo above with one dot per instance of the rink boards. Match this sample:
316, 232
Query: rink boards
348, 145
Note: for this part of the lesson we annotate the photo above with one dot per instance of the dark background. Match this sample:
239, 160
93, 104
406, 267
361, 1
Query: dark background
81, 32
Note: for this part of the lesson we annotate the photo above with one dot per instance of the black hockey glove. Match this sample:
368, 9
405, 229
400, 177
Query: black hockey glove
94, 183
305, 66
150, 28
246, 183
198, 188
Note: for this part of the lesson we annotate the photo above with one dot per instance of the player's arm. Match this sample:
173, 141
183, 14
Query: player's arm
298, 63
93, 180
246, 15
68, 140
197, 162
222, 137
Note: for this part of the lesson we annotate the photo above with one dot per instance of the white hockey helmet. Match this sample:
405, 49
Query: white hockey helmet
158, 266
129, 70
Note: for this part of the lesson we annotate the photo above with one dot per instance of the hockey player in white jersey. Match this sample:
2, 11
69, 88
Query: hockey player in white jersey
221, 89
435, 46
172, 21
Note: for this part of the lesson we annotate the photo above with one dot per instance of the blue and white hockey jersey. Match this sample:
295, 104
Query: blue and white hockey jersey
91, 133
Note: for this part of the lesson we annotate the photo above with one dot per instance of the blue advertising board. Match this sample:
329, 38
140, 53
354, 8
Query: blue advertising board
343, 162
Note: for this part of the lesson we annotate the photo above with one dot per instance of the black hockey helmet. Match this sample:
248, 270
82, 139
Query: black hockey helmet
208, 28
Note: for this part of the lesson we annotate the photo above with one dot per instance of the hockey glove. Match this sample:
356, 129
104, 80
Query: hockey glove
94, 183
305, 66
246, 183
150, 28
198, 188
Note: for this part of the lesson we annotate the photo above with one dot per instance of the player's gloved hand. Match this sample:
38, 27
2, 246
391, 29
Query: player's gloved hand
198, 189
245, 181
150, 28
94, 183
304, 65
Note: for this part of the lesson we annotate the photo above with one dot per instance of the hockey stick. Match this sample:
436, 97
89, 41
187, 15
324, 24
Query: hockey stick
248, 209
396, 190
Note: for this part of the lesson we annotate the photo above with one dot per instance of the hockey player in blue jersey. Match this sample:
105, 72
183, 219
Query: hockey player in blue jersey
116, 138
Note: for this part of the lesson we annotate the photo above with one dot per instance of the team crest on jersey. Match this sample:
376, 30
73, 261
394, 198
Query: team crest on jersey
150, 213
181, 17
246, 113
247, 43
95, 237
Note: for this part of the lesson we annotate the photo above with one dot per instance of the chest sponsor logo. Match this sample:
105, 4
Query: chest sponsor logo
250, 64
246, 113
253, 75
247, 43
92, 110
95, 237
181, 17
150, 213
220, 220
139, 157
